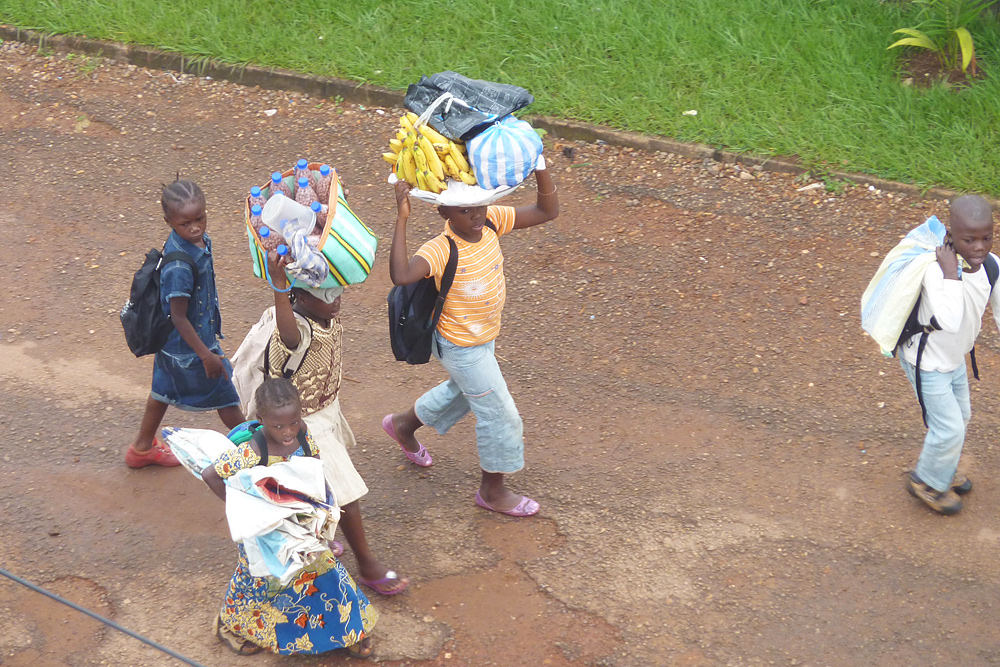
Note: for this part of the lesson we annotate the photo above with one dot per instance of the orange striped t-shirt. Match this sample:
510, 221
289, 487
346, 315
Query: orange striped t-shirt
471, 313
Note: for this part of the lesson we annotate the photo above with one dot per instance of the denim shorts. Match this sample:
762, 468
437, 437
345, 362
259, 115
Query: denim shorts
475, 383
180, 380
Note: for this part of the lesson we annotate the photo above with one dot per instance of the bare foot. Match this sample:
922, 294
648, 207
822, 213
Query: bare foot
363, 649
405, 433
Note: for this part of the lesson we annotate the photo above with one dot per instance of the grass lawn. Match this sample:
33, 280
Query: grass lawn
773, 77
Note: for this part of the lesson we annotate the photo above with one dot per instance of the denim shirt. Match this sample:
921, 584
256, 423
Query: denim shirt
176, 279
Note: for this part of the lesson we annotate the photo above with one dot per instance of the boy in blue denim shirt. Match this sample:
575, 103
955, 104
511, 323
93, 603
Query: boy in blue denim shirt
190, 371
956, 301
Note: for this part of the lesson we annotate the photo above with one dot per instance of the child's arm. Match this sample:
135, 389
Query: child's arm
943, 288
546, 205
288, 328
404, 270
214, 367
213, 481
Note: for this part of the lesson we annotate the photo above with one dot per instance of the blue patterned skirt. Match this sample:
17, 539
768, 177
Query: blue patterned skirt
321, 610
179, 379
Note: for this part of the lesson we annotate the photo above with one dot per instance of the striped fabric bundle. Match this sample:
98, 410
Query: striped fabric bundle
347, 244
504, 153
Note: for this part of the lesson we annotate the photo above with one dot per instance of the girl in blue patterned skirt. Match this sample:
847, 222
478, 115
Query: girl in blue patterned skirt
322, 608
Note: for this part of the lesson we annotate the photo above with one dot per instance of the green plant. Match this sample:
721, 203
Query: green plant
943, 29
835, 185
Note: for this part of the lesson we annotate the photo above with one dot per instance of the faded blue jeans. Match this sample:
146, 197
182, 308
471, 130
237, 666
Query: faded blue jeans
475, 383
946, 397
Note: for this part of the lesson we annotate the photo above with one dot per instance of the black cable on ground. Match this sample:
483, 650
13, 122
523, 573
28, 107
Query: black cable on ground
106, 621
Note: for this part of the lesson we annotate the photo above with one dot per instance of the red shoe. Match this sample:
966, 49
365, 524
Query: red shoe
158, 455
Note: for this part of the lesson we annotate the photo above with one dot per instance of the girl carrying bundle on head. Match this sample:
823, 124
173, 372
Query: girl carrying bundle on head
305, 324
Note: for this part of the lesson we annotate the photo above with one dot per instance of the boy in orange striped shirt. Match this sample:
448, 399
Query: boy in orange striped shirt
463, 341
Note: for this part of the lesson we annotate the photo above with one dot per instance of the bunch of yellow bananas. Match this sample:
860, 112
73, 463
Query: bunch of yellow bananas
424, 158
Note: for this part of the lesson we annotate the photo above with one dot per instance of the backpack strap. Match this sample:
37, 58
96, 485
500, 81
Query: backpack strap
992, 271
294, 362
261, 441
447, 278
179, 256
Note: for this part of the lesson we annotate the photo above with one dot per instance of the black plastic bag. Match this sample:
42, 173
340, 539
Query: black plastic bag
489, 101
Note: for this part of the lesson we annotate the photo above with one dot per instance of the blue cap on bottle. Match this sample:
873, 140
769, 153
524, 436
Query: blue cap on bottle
302, 164
282, 249
324, 169
256, 210
276, 177
255, 191
303, 182
264, 232
316, 207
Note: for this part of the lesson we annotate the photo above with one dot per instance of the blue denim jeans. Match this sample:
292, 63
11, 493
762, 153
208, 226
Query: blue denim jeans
475, 383
946, 397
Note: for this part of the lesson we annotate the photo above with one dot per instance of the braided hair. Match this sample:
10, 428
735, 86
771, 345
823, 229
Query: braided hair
178, 194
274, 394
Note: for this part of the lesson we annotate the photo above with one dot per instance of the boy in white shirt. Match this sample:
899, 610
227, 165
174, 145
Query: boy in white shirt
956, 300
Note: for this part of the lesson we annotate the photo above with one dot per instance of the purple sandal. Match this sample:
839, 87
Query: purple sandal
420, 457
390, 584
526, 507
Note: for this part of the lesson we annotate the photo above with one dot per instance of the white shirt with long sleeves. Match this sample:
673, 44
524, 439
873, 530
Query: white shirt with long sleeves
958, 306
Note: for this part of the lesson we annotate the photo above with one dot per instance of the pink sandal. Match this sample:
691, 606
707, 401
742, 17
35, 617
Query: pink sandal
420, 457
526, 507
390, 584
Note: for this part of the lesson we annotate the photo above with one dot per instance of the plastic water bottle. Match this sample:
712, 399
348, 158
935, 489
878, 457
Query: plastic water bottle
278, 185
304, 192
271, 240
256, 197
282, 250
302, 170
321, 212
324, 182
316, 235
255, 220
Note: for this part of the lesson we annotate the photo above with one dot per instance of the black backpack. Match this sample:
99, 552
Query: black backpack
414, 311
914, 327
146, 327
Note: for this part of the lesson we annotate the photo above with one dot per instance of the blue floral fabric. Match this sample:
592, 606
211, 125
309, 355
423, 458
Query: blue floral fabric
321, 610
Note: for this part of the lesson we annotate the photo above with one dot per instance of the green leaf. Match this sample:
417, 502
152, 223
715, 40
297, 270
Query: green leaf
968, 49
913, 32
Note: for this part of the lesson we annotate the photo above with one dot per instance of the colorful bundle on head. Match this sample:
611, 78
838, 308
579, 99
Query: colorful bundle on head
346, 245
426, 159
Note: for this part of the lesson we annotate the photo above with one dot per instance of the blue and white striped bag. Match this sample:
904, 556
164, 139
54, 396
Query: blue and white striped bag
504, 153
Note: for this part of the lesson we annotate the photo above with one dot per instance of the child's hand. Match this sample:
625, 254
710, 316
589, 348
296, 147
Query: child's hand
947, 258
276, 267
403, 198
214, 368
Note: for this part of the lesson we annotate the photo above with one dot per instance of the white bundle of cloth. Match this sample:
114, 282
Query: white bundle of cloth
893, 291
284, 514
